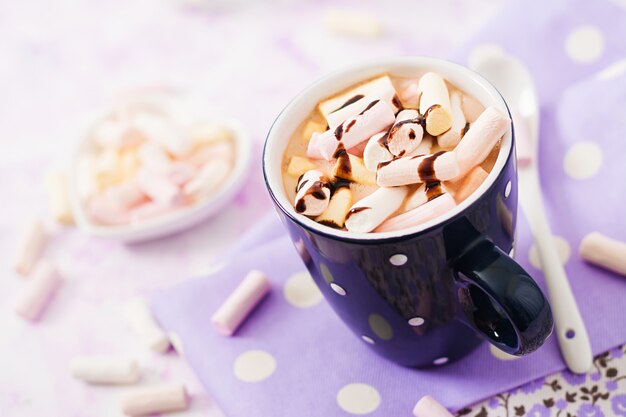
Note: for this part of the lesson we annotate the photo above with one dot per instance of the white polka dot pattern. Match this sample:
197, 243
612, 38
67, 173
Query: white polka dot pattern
254, 366
584, 44
583, 160
300, 290
358, 398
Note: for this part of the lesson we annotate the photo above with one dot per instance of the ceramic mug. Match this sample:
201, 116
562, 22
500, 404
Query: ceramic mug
429, 294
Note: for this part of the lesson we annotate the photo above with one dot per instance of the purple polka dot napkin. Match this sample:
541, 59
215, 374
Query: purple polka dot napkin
295, 357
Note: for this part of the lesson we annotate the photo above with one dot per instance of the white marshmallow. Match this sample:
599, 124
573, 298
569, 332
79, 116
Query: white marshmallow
377, 116
153, 156
231, 314
313, 148
435, 103
124, 196
157, 186
85, 176
428, 211
451, 138
405, 134
312, 193
179, 173
223, 150
441, 166
376, 151
605, 252
41, 288
103, 211
424, 148
163, 131
210, 132
471, 108
155, 399
480, 139
211, 176
424, 194
58, 196
427, 406
145, 326
110, 133
30, 246
105, 370
372, 210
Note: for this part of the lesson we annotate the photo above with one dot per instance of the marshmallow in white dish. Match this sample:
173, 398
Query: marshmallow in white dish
159, 188
210, 132
377, 116
428, 211
209, 179
427, 406
312, 193
341, 107
163, 131
146, 327
435, 103
30, 246
604, 251
105, 370
406, 133
449, 139
113, 132
464, 186
149, 211
424, 194
39, 291
441, 166
480, 139
350, 167
102, 211
376, 151
353, 24
223, 150
56, 186
234, 310
179, 173
124, 196
153, 156
155, 399
369, 212
338, 207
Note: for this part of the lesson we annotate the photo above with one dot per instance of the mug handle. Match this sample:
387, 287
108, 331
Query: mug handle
500, 298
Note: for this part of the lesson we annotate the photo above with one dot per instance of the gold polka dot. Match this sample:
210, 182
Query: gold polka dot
380, 326
328, 277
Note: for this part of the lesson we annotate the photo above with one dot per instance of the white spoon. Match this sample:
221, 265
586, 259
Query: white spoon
517, 87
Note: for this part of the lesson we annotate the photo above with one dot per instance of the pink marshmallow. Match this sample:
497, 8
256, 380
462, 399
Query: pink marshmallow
31, 245
427, 406
180, 173
480, 139
405, 134
40, 290
441, 166
102, 210
158, 187
313, 148
124, 196
223, 150
240, 303
428, 211
377, 116
210, 177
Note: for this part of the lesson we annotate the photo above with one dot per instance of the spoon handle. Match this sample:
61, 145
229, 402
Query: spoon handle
570, 328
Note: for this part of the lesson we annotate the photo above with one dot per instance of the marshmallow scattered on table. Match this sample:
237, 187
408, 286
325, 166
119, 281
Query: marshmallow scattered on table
155, 399
425, 212
232, 313
427, 406
39, 291
146, 327
604, 252
312, 193
58, 196
435, 103
441, 166
372, 210
105, 370
30, 247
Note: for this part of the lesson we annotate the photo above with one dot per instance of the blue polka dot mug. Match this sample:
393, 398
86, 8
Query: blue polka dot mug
429, 294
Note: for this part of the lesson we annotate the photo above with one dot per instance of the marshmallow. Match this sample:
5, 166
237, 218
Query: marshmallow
209, 179
155, 399
313, 148
30, 247
312, 193
299, 165
105, 370
451, 138
464, 186
153, 156
223, 150
358, 149
605, 252
410, 95
163, 131
179, 173
524, 146
440, 166
377, 116
140, 318
210, 132
471, 108
231, 314
106, 168
435, 103
372, 210
406, 133
312, 126
352, 168
425, 147
58, 196
158, 187
419, 215
481, 137
105, 211
341, 107
335, 213
424, 194
427, 406
353, 24
376, 151
149, 211
41, 288
113, 133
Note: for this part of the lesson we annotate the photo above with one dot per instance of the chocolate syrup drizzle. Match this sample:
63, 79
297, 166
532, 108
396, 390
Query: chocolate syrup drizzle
426, 168
356, 210
344, 167
316, 190
351, 100
433, 190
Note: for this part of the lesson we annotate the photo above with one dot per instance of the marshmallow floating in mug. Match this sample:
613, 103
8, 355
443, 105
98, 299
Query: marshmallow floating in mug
337, 210
376, 151
40, 290
30, 247
372, 210
155, 399
350, 167
421, 214
440, 166
604, 251
451, 138
105, 370
406, 133
312, 193
435, 103
231, 314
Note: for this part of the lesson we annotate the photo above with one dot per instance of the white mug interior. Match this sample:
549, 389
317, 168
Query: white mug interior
302, 105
